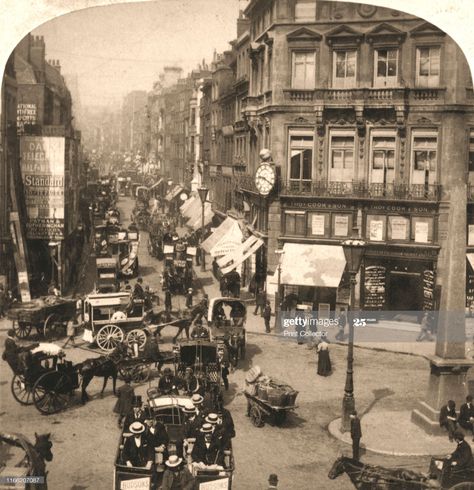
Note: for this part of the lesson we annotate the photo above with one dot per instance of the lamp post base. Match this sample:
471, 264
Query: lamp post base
348, 406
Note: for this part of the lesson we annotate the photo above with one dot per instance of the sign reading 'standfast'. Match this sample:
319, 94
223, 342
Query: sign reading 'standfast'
42, 170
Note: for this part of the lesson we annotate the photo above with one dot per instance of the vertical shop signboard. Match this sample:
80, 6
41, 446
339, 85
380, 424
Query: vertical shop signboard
374, 287
428, 290
42, 171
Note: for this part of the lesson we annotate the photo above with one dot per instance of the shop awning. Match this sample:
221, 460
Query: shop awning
240, 254
470, 258
173, 193
189, 205
312, 265
156, 184
225, 239
196, 223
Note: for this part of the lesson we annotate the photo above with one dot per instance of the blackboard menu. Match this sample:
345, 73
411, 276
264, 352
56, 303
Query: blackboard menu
374, 287
428, 290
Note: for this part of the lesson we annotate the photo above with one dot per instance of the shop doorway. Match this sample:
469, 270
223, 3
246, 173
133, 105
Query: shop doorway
405, 292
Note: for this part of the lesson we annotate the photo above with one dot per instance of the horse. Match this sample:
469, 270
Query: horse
159, 321
370, 477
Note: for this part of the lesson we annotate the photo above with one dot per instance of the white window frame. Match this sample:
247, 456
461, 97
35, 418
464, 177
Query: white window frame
307, 17
293, 69
295, 134
428, 81
344, 174
346, 82
417, 175
372, 172
385, 81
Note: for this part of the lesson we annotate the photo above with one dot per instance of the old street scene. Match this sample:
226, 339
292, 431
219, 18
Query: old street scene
237, 250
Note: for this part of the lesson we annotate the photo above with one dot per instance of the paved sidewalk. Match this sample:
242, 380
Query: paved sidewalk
393, 433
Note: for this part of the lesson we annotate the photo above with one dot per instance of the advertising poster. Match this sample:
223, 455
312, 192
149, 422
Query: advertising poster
399, 227
376, 230
42, 171
317, 224
25, 114
341, 225
421, 232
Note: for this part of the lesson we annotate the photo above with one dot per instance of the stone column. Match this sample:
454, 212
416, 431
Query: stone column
448, 366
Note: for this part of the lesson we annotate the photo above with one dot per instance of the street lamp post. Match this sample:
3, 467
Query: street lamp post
202, 191
353, 251
280, 254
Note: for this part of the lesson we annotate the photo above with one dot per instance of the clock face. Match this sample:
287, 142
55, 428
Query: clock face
265, 178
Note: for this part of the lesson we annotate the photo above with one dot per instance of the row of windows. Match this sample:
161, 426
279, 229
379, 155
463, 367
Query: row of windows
386, 68
378, 228
382, 156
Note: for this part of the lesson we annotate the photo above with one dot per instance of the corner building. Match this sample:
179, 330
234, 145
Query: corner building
368, 113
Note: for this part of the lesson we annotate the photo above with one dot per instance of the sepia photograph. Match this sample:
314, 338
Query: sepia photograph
236, 245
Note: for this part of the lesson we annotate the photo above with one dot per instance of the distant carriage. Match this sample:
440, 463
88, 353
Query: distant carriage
48, 315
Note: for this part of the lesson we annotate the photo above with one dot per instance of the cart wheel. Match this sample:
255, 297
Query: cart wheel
52, 327
108, 337
140, 373
280, 417
21, 329
256, 416
136, 336
21, 391
51, 392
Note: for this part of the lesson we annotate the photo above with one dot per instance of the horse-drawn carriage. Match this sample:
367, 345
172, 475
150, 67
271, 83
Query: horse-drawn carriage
110, 316
178, 267
441, 475
226, 319
48, 314
170, 412
44, 378
107, 274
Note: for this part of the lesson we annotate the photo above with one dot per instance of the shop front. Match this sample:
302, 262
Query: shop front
396, 280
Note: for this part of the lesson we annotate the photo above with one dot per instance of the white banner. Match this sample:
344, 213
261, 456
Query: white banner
222, 484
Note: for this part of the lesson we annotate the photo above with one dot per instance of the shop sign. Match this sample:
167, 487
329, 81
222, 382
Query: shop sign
399, 227
317, 224
316, 205
399, 209
376, 230
42, 171
341, 225
25, 114
136, 484
421, 232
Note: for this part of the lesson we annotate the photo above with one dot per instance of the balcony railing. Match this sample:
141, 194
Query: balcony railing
414, 192
374, 95
246, 182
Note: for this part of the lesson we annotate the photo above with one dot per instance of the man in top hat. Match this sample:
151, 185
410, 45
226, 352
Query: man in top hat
176, 475
156, 433
225, 418
136, 450
267, 314
138, 291
207, 449
461, 458
123, 407
466, 415
272, 481
136, 413
167, 383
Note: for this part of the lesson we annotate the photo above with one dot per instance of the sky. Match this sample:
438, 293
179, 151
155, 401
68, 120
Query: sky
119, 48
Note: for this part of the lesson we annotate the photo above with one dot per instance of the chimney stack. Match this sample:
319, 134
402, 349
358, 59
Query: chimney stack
37, 53
243, 24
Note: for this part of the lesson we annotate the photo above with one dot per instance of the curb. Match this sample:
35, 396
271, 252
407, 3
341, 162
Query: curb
333, 429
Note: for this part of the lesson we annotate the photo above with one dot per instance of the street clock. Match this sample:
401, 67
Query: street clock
265, 178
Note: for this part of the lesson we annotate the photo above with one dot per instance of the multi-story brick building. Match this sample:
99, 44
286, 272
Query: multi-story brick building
366, 111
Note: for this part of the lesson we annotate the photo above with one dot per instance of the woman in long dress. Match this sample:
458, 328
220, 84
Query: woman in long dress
324, 361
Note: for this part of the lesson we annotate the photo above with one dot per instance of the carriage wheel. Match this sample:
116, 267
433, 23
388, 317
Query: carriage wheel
256, 416
108, 337
280, 417
21, 391
463, 486
52, 327
51, 392
136, 336
21, 329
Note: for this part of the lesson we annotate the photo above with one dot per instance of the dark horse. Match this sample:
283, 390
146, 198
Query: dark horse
102, 367
164, 319
370, 477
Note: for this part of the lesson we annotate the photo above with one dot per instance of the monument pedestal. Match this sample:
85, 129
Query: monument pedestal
447, 382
